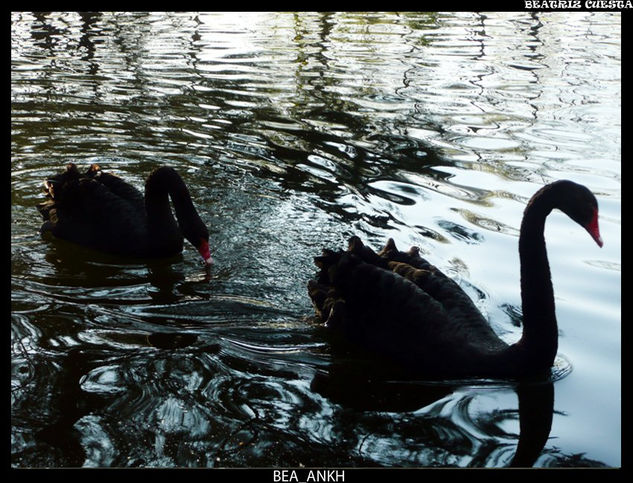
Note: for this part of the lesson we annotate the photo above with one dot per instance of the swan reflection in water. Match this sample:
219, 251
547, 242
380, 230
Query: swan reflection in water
422, 424
364, 387
86, 268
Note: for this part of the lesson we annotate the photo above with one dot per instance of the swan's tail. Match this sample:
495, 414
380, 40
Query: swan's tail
56, 189
335, 266
56, 186
320, 289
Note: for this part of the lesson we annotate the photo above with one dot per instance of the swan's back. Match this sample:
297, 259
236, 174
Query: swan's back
118, 187
95, 209
397, 305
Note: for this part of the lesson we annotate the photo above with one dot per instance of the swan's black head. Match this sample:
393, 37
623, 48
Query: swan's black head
577, 202
197, 234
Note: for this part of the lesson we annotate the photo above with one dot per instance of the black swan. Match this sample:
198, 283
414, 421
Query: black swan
397, 306
99, 210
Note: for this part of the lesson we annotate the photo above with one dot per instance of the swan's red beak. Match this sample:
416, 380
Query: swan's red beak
203, 249
592, 228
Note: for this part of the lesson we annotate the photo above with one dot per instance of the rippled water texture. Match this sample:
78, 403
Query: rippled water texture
294, 132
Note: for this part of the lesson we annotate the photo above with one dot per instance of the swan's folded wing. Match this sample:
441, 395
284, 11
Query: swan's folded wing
434, 282
442, 288
117, 186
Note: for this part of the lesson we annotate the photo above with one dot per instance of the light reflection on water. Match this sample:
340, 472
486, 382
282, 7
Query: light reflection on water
294, 132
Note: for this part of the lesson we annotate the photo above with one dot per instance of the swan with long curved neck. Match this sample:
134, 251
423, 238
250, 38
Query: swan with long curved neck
99, 210
399, 307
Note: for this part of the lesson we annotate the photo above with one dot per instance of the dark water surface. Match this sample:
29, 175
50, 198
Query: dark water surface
294, 132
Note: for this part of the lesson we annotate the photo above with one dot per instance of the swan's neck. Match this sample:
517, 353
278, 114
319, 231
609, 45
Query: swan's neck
165, 183
159, 214
540, 331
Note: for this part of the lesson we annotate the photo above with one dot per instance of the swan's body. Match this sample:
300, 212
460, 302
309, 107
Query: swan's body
399, 307
99, 210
